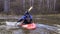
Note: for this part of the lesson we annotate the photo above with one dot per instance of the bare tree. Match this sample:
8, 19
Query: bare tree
54, 4
6, 5
24, 4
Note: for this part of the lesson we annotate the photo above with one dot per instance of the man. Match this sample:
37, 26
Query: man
26, 19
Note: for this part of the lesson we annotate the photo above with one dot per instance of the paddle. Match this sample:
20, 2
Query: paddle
30, 8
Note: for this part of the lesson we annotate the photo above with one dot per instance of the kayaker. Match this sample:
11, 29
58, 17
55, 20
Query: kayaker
26, 18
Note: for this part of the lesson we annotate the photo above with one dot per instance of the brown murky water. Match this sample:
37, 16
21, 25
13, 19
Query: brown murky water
24, 31
40, 30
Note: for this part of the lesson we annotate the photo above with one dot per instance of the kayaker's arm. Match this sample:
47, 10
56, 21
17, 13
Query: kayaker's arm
20, 20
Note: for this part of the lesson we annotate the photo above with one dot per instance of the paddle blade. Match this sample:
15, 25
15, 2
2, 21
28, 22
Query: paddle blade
30, 8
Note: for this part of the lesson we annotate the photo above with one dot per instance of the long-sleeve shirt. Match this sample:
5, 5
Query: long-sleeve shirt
23, 18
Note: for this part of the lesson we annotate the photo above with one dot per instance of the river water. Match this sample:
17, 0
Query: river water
42, 28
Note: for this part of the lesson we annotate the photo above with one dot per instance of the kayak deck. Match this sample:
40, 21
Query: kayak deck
29, 26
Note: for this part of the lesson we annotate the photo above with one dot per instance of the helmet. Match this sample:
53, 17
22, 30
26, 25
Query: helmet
26, 12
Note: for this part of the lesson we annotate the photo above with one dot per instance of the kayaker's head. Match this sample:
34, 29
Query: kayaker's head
26, 13
27, 16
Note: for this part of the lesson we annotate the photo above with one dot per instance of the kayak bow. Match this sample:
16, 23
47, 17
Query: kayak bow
29, 26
